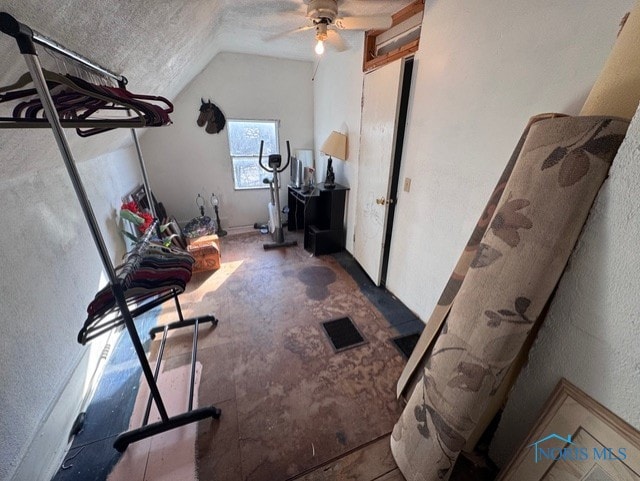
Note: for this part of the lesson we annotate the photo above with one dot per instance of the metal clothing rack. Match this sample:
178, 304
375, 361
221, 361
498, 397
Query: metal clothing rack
26, 39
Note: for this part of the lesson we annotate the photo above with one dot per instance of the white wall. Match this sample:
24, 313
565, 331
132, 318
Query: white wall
337, 95
591, 333
482, 70
50, 272
183, 160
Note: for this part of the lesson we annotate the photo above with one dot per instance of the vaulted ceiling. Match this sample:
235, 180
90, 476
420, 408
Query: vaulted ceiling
160, 45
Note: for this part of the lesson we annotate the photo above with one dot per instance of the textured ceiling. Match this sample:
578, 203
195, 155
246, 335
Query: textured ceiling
160, 45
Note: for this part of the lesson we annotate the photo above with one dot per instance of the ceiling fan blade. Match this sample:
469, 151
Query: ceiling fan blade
336, 41
377, 22
289, 32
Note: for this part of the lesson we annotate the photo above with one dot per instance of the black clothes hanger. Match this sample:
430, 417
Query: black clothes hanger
155, 115
24, 80
86, 100
79, 100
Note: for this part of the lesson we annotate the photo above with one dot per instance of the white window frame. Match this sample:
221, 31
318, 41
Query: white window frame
264, 174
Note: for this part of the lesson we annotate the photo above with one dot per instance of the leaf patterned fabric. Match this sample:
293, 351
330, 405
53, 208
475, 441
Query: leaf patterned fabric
508, 221
472, 255
575, 158
501, 290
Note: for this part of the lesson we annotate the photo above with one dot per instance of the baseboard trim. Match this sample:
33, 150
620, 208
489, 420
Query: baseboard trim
46, 451
243, 229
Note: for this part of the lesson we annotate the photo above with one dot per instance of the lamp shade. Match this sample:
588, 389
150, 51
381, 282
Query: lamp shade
335, 146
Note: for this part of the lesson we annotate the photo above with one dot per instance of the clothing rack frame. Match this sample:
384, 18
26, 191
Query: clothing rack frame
26, 39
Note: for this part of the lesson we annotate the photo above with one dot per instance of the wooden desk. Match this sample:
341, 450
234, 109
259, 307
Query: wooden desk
321, 215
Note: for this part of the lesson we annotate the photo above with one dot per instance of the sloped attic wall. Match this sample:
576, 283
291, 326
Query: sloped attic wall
50, 272
158, 46
184, 160
50, 266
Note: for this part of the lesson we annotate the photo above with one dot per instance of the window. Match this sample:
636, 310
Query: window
244, 147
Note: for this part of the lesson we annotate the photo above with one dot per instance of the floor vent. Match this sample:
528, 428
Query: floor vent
406, 344
343, 334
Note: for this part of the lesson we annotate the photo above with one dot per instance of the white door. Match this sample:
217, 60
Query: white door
381, 100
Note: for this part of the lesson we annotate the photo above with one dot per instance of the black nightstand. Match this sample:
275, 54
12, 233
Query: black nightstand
321, 215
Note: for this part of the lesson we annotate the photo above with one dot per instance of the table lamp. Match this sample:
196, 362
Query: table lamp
215, 203
334, 146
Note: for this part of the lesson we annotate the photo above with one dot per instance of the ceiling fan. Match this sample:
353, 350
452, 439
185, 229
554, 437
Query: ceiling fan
324, 18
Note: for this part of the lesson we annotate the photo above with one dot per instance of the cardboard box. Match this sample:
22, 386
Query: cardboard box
206, 252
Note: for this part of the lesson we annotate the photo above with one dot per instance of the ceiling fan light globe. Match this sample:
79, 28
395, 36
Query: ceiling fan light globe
319, 47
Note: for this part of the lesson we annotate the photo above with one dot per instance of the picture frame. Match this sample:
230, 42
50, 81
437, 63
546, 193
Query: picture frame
576, 439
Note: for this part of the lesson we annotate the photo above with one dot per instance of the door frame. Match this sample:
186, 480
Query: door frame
401, 121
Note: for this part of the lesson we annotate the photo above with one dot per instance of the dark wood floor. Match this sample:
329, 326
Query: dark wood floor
290, 402
374, 462
292, 407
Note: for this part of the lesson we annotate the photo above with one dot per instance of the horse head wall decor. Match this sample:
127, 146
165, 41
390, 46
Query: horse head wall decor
212, 116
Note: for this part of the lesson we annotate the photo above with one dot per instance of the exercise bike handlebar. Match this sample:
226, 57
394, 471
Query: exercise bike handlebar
277, 170
260, 157
288, 158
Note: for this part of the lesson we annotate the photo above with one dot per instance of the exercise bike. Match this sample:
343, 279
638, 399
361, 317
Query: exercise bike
273, 166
